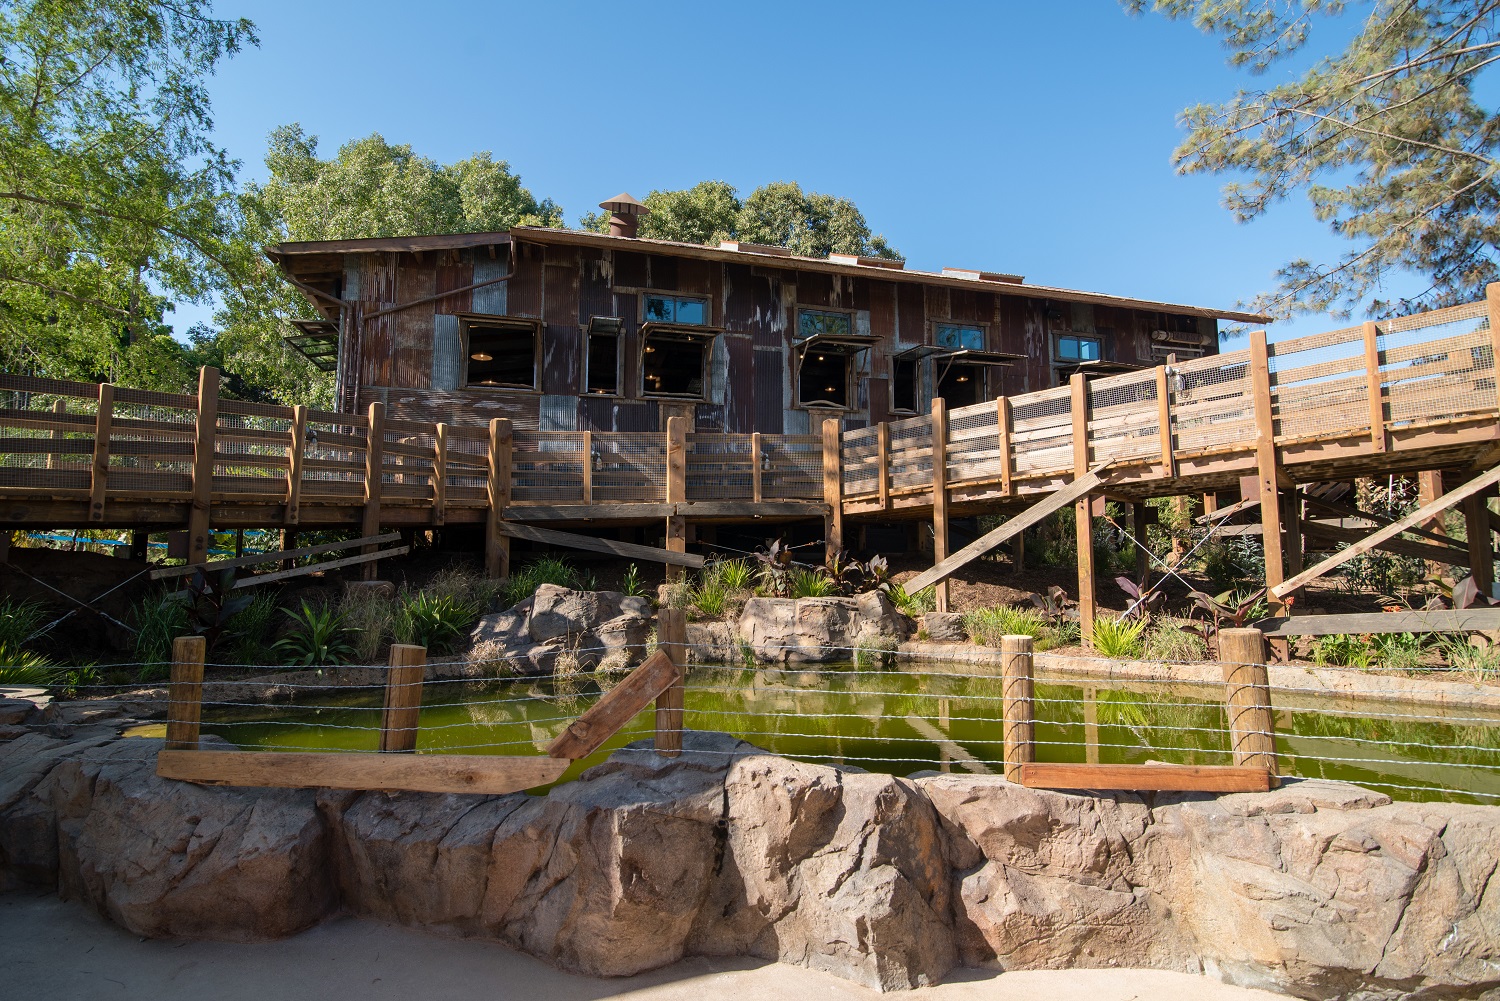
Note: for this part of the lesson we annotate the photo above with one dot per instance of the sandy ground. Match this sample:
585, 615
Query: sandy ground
59, 952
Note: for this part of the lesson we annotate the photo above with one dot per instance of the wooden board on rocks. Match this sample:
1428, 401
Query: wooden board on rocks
489, 774
618, 706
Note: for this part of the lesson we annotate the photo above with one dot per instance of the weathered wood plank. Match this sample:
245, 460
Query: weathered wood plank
487, 774
275, 557
1159, 778
618, 706
1435, 620
347, 561
569, 540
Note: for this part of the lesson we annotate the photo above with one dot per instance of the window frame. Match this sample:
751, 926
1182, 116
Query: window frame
1058, 338
466, 324
704, 334
983, 328
916, 386
644, 294
619, 337
798, 336
851, 380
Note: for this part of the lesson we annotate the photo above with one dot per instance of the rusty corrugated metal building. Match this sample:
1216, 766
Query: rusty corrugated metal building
567, 330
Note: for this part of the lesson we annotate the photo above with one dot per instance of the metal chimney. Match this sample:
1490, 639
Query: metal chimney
624, 214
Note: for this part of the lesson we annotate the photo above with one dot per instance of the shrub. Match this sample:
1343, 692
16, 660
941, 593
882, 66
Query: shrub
735, 575
465, 585
1478, 663
1398, 651
809, 584
435, 621
158, 622
1118, 637
1167, 640
987, 625
547, 570
631, 584
319, 636
913, 605
876, 651
254, 626
1342, 650
370, 616
709, 598
18, 620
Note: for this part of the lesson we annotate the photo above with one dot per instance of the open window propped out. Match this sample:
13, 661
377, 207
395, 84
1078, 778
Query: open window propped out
826, 369
960, 374
501, 352
674, 360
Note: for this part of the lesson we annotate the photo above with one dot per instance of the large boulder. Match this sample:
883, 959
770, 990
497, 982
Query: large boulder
809, 630
585, 627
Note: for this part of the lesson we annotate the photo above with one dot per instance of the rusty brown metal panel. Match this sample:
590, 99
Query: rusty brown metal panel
411, 334
963, 306
911, 313
524, 290
882, 306
739, 391
630, 373
595, 298
632, 270
561, 359
696, 277
560, 287
455, 274
469, 409
663, 272
860, 292
880, 400
753, 305
769, 369
815, 289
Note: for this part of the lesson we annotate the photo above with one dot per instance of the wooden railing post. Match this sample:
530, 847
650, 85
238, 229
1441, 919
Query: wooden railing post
883, 467
588, 467
203, 465
1002, 440
1083, 509
1018, 710
374, 480
440, 475
1376, 391
1164, 424
1492, 301
403, 698
102, 424
833, 488
940, 495
1247, 698
497, 546
295, 455
185, 693
757, 483
1268, 475
671, 639
676, 490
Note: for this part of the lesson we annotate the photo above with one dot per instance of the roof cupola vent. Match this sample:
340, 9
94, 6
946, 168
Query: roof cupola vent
624, 214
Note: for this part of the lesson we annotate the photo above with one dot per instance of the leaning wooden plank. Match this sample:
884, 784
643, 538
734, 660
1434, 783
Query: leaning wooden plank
618, 706
1237, 507
1162, 778
1436, 620
347, 561
489, 774
1451, 555
1086, 483
1395, 528
570, 541
276, 557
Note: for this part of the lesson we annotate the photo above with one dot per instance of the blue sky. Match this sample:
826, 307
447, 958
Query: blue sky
1022, 137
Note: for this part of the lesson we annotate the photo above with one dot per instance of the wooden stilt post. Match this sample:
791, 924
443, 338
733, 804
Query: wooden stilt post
1268, 474
588, 467
140, 545
833, 488
374, 480
1375, 390
1083, 509
883, 467
1018, 692
103, 422
1481, 544
940, 495
757, 482
203, 465
671, 638
1138, 527
185, 693
676, 490
440, 475
496, 545
1247, 698
1164, 424
403, 698
1429, 489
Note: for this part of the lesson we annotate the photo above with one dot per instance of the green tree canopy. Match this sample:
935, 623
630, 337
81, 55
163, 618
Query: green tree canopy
1386, 138
779, 214
116, 202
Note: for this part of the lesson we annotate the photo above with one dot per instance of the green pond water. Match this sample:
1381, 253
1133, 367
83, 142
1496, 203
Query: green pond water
934, 717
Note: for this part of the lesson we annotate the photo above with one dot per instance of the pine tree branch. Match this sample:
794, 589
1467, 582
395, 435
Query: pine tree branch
1386, 135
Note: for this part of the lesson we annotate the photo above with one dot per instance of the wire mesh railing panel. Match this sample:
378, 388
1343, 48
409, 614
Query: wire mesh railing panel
1124, 418
630, 466
859, 454
719, 467
547, 466
333, 460
1437, 366
1319, 386
791, 466
468, 467
1042, 432
974, 443
251, 450
1212, 406
47, 429
152, 439
911, 452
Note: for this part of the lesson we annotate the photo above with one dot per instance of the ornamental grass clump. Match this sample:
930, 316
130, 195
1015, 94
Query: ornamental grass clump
1119, 637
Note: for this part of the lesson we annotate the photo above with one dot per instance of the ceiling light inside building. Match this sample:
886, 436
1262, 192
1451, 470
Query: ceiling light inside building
481, 356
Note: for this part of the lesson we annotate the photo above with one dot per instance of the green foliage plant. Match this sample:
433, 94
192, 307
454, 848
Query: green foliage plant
158, 621
524, 582
1168, 641
631, 584
435, 621
710, 598
913, 605
986, 626
1343, 650
254, 626
1479, 662
1119, 637
319, 637
804, 583
371, 617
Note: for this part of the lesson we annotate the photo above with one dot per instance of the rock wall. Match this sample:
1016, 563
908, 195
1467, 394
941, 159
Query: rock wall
1320, 889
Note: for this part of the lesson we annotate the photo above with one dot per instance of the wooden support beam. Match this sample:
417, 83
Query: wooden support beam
347, 561
1018, 704
185, 692
940, 495
1009, 529
883, 464
629, 550
676, 490
1435, 620
1446, 555
1145, 778
1481, 542
1218, 513
588, 467
1475, 486
1083, 510
757, 484
403, 698
283, 555
480, 774
616, 707
99, 479
203, 465
1138, 528
1344, 512
1374, 387
1267, 472
671, 638
440, 475
1164, 424
1003, 428
374, 477
833, 487
496, 543
1247, 698
296, 453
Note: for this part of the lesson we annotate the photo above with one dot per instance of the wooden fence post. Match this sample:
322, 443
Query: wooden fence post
833, 488
940, 495
1083, 510
1247, 698
676, 490
757, 481
440, 475
588, 467
203, 465
1164, 424
671, 638
1018, 707
1492, 301
1376, 393
403, 698
374, 480
1002, 442
185, 693
883, 464
295, 456
497, 546
103, 421
1268, 474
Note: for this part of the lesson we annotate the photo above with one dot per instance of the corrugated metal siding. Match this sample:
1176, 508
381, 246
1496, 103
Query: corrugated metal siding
562, 358
524, 291
453, 275
739, 402
770, 368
